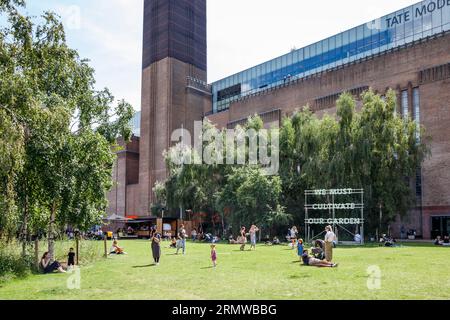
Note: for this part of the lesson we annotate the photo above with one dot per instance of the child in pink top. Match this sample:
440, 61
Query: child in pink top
214, 255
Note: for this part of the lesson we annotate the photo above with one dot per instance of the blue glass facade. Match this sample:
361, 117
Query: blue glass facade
424, 19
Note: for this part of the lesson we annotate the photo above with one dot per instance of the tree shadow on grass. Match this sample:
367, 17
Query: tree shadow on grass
147, 266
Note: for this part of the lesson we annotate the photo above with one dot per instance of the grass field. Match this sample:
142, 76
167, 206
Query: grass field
407, 272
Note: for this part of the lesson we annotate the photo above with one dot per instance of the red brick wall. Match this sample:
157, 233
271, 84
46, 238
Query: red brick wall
399, 70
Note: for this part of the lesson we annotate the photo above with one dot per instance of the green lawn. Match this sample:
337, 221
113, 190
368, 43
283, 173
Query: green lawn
408, 272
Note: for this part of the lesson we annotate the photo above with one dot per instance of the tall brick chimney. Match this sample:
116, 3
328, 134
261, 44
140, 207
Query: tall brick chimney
174, 53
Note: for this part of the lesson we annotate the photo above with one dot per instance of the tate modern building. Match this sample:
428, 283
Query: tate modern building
407, 50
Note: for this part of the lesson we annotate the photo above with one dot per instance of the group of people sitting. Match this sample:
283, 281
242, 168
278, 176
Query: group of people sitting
442, 242
315, 258
387, 241
48, 265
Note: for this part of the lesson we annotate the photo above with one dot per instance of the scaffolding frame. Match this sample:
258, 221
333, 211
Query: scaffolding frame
332, 212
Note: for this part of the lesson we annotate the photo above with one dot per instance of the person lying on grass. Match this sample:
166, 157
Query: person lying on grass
313, 262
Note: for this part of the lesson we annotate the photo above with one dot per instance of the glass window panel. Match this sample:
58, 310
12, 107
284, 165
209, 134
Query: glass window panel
278, 64
312, 50
289, 58
417, 26
297, 57
283, 61
405, 104
352, 35
345, 37
273, 65
360, 33
300, 55
416, 105
437, 20
332, 42
325, 45
427, 22
446, 17
319, 47
306, 51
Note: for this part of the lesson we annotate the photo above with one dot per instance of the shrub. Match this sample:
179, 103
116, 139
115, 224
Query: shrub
12, 263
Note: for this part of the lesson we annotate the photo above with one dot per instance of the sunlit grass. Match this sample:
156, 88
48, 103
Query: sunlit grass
407, 272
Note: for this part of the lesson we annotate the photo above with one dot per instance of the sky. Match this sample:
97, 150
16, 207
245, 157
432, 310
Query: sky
241, 33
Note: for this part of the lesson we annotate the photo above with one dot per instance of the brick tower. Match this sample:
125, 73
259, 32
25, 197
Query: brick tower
174, 90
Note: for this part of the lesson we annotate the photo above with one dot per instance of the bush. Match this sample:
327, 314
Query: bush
12, 263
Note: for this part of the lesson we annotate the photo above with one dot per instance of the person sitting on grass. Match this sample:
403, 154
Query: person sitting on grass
438, 241
48, 267
231, 240
446, 241
173, 244
276, 241
313, 262
387, 241
115, 249
194, 235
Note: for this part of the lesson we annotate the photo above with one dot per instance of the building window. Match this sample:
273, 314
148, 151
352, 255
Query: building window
419, 184
416, 106
405, 104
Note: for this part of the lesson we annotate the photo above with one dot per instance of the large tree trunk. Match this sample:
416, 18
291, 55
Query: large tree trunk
51, 233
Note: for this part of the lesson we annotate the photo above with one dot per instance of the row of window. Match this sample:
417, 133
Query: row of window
351, 45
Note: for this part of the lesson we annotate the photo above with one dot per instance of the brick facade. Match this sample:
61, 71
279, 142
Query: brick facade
172, 98
423, 65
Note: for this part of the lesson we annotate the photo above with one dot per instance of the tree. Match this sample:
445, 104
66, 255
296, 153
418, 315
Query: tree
59, 132
253, 198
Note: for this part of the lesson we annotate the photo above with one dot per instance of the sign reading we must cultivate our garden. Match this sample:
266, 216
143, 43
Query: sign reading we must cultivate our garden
331, 205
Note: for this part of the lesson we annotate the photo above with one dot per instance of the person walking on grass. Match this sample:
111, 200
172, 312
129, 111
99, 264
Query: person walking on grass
214, 255
156, 247
182, 234
243, 238
253, 230
330, 237
293, 236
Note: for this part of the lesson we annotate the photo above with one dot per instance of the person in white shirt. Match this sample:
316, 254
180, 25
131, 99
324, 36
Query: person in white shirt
357, 238
330, 237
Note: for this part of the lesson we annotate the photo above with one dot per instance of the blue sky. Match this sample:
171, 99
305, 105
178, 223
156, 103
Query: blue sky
241, 33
